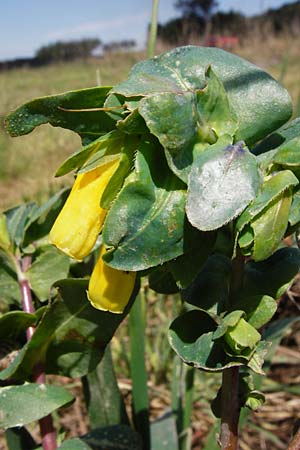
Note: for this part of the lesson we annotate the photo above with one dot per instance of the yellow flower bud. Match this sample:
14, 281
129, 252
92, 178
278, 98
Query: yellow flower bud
78, 225
110, 289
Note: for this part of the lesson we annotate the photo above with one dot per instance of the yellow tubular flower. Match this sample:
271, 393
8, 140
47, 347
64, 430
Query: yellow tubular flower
110, 289
78, 225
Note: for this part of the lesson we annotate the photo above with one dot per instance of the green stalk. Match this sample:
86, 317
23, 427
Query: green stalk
138, 370
230, 408
153, 29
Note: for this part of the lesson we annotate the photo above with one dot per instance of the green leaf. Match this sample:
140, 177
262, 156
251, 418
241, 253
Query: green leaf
115, 437
282, 135
78, 158
74, 444
209, 290
108, 150
125, 165
272, 276
257, 359
258, 101
259, 309
18, 219
197, 248
42, 398
9, 286
294, 214
246, 238
42, 218
164, 433
13, 323
162, 281
270, 226
71, 336
191, 336
144, 226
288, 154
65, 111
171, 118
133, 123
271, 189
180, 120
19, 438
223, 181
51, 265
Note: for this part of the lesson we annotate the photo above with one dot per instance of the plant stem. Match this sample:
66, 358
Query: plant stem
46, 424
230, 408
153, 29
295, 442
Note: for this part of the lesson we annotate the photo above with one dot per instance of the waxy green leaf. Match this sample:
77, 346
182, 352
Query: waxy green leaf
191, 336
162, 281
224, 179
74, 444
258, 101
145, 225
197, 248
274, 275
67, 110
70, 338
270, 190
288, 154
51, 265
108, 150
209, 290
13, 323
42, 398
259, 309
270, 226
284, 134
181, 120
126, 158
294, 214
9, 286
104, 144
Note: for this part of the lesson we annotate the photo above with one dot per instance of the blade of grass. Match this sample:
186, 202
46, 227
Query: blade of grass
138, 370
153, 29
104, 401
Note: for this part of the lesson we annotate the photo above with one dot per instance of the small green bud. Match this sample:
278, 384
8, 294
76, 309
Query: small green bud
242, 336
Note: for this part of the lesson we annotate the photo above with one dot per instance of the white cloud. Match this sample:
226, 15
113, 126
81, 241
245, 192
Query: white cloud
100, 26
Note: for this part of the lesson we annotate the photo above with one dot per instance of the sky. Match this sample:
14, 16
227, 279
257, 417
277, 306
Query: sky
26, 25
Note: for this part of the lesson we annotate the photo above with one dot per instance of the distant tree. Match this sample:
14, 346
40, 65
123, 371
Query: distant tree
197, 8
67, 51
117, 46
197, 11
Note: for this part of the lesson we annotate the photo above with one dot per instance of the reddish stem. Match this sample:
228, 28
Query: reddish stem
47, 430
230, 409
295, 442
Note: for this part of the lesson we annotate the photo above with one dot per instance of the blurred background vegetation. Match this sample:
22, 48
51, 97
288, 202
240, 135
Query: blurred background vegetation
270, 40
